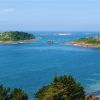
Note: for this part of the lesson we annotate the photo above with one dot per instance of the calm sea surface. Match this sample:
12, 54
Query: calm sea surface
32, 65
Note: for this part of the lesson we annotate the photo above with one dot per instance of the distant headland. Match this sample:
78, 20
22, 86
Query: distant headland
93, 42
13, 37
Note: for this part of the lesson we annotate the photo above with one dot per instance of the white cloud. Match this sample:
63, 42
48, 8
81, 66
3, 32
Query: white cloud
7, 10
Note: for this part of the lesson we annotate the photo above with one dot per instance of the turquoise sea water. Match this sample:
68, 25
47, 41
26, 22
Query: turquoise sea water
32, 65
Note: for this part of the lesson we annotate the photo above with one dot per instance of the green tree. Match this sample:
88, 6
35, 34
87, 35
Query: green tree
62, 88
18, 94
4, 93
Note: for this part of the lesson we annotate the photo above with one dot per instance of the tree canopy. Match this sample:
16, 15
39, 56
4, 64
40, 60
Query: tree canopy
4, 93
16, 94
62, 88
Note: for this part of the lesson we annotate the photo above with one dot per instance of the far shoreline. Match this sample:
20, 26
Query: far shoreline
83, 44
17, 42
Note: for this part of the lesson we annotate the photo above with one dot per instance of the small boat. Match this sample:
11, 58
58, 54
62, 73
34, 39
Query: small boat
50, 42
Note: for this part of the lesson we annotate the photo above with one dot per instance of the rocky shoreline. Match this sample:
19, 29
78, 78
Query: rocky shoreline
83, 44
91, 97
17, 42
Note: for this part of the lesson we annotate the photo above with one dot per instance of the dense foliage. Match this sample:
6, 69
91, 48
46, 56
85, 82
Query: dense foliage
62, 88
4, 93
16, 94
90, 40
15, 36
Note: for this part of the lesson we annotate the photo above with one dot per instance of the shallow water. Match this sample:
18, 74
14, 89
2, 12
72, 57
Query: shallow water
32, 65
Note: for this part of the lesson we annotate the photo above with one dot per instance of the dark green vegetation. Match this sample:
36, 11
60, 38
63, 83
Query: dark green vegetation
15, 36
16, 94
62, 88
90, 40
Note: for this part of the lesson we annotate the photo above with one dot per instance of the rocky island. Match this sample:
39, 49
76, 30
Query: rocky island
93, 42
13, 37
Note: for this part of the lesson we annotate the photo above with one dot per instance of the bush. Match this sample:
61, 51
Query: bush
62, 88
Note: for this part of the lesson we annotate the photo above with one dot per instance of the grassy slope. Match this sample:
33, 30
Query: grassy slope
90, 40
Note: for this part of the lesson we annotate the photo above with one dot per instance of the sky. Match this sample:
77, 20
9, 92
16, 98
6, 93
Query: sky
50, 15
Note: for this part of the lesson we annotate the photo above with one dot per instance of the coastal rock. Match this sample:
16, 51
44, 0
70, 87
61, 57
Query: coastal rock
91, 97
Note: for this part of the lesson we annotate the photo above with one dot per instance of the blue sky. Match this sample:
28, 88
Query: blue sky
50, 15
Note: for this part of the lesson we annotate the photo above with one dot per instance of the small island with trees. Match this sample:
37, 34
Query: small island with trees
12, 37
93, 42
